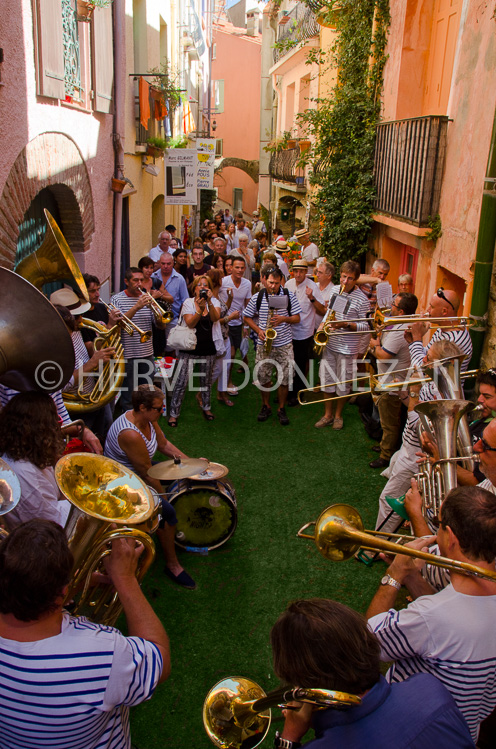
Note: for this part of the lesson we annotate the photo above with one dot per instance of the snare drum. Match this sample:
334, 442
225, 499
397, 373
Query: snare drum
206, 513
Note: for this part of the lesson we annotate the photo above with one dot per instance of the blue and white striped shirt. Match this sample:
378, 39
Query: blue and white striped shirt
460, 337
451, 636
74, 690
7, 394
284, 334
114, 450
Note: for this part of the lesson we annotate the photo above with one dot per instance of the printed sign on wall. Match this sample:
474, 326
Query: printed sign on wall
180, 176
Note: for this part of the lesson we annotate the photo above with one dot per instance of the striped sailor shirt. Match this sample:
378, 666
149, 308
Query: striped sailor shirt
460, 337
451, 636
359, 307
284, 334
143, 318
7, 394
74, 690
81, 356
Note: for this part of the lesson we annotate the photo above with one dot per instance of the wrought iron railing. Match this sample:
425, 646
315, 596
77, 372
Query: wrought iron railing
283, 166
302, 25
408, 167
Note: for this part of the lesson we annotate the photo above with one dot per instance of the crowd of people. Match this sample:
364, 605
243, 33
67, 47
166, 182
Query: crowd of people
200, 306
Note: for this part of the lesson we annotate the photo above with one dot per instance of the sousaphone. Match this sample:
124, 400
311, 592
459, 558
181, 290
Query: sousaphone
36, 351
52, 261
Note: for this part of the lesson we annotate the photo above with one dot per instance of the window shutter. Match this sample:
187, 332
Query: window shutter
49, 48
103, 59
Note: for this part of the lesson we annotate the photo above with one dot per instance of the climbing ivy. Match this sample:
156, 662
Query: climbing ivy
343, 127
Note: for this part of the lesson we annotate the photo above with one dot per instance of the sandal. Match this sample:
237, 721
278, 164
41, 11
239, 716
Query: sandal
172, 422
225, 401
208, 415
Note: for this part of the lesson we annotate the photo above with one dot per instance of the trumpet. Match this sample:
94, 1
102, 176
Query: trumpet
128, 325
339, 533
236, 711
162, 316
321, 337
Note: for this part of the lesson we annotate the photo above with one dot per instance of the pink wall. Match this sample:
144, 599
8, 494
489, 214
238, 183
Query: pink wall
238, 64
26, 115
470, 104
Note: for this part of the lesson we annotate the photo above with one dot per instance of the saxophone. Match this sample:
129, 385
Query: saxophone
270, 333
321, 337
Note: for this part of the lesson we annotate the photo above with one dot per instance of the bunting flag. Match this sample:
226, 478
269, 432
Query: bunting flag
144, 102
188, 119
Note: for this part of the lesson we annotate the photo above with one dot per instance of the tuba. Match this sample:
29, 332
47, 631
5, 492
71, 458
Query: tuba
36, 350
103, 493
108, 379
52, 261
236, 711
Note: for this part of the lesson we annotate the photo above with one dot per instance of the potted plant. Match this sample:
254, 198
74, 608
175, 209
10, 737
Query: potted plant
117, 185
178, 141
85, 8
155, 146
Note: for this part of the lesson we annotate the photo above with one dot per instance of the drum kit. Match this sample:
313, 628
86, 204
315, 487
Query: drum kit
204, 501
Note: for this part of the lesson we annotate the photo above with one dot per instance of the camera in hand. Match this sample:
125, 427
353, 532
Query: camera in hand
203, 294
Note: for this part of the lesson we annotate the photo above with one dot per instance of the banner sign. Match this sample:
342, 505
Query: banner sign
206, 161
180, 176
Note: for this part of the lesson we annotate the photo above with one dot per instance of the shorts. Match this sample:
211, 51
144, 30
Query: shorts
281, 357
335, 367
236, 335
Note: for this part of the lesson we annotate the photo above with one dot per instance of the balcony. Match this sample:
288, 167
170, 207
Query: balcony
283, 167
301, 25
408, 167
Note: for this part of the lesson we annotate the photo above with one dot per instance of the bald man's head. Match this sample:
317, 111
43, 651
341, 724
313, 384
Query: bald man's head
444, 303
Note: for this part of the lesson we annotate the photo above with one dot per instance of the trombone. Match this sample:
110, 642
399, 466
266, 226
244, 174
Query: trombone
236, 711
339, 533
379, 321
162, 316
375, 383
127, 324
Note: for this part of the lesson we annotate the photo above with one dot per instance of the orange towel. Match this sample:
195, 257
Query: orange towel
188, 119
144, 102
160, 109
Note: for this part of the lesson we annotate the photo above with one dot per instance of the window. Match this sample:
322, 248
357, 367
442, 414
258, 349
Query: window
219, 143
218, 96
74, 59
237, 199
214, 51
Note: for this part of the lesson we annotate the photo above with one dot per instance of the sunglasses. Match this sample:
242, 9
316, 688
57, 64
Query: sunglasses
487, 447
440, 293
437, 523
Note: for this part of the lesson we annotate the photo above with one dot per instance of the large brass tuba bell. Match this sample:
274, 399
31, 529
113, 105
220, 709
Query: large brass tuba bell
52, 261
102, 493
36, 351
236, 712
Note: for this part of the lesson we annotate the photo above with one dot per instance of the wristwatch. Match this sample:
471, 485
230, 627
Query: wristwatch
312, 301
413, 394
388, 580
280, 743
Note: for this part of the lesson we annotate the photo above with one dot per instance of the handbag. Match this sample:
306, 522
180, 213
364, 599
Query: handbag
181, 337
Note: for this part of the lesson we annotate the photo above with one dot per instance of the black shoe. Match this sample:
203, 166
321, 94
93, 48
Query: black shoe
376, 448
264, 414
379, 463
183, 579
292, 402
283, 419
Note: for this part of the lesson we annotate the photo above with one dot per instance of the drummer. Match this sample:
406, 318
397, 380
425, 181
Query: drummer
133, 440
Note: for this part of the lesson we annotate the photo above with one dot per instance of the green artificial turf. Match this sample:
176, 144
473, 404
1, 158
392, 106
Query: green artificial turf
283, 478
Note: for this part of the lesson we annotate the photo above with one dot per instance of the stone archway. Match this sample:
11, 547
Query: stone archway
49, 160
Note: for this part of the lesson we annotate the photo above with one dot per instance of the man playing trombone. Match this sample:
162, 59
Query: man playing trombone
341, 350
138, 353
449, 634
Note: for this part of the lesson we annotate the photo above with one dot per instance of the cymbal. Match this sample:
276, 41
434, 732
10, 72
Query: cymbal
170, 470
212, 471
